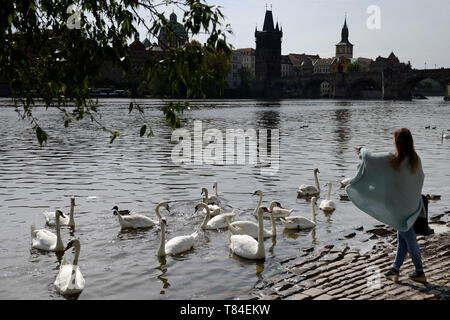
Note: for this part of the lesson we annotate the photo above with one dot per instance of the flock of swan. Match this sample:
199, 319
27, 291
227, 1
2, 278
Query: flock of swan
246, 238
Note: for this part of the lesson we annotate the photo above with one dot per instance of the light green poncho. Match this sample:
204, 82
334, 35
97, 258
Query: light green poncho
392, 197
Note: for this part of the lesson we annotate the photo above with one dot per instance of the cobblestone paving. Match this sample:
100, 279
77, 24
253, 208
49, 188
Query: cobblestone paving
341, 273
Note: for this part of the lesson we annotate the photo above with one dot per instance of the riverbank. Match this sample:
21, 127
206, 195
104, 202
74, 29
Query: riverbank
343, 273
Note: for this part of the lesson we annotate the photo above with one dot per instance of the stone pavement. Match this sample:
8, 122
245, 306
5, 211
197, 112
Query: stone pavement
344, 274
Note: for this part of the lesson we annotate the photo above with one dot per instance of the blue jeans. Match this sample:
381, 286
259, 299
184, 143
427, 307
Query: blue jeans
407, 242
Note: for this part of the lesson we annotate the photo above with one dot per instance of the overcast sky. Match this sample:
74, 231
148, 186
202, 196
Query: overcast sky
415, 30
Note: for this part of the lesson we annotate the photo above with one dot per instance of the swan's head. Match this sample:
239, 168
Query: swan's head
279, 205
59, 213
163, 222
165, 205
72, 200
199, 206
204, 191
261, 210
71, 243
258, 192
215, 182
314, 200
316, 170
115, 208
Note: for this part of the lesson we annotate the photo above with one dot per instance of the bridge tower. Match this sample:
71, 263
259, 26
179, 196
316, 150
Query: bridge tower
268, 54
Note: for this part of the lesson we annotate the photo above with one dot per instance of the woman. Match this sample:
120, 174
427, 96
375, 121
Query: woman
389, 187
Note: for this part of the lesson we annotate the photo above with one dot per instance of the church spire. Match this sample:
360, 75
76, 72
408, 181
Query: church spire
268, 21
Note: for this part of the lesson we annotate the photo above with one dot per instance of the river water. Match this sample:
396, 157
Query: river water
137, 173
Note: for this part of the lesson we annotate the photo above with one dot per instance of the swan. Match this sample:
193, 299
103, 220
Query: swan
50, 216
251, 228
121, 212
212, 200
308, 190
175, 245
220, 221
69, 280
327, 205
278, 211
135, 221
445, 136
299, 222
43, 239
246, 246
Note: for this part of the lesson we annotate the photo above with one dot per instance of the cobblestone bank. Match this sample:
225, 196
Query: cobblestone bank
343, 273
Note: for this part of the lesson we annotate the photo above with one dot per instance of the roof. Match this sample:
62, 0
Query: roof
324, 61
246, 51
268, 21
297, 59
136, 45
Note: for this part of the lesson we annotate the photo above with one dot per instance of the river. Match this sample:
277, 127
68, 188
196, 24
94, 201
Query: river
137, 173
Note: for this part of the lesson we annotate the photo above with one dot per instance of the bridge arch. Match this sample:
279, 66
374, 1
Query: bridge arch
411, 83
364, 88
312, 89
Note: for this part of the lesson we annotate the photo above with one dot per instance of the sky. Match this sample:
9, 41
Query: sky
415, 30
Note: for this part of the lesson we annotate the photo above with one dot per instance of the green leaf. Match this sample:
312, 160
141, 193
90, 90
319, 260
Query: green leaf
114, 135
143, 129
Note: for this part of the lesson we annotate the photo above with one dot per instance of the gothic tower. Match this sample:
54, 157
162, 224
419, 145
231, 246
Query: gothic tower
268, 53
344, 48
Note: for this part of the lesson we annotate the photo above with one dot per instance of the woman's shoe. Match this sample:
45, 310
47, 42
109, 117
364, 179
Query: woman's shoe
392, 274
418, 276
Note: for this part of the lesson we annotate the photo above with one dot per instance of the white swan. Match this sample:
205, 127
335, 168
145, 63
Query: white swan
176, 245
251, 228
50, 216
327, 205
246, 246
69, 280
309, 190
136, 221
214, 199
445, 135
43, 239
220, 221
299, 222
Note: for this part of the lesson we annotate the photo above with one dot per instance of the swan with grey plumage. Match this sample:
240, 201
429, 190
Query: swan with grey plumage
137, 221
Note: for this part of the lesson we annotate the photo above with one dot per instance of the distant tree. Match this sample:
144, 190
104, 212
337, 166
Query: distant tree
53, 51
353, 67
245, 87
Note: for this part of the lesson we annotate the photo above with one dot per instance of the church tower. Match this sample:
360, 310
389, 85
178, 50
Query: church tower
344, 48
268, 52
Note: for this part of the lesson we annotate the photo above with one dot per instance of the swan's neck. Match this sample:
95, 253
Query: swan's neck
158, 215
313, 214
207, 217
162, 244
274, 228
59, 244
260, 252
329, 191
316, 181
77, 253
72, 206
215, 184
259, 204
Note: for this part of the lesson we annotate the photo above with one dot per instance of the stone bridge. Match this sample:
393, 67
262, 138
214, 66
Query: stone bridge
388, 84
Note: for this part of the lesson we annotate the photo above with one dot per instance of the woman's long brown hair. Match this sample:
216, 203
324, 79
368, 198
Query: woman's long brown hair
404, 145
